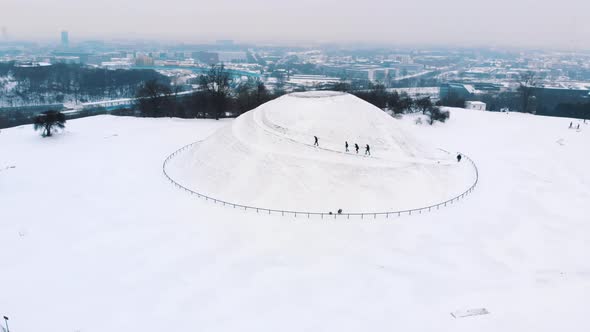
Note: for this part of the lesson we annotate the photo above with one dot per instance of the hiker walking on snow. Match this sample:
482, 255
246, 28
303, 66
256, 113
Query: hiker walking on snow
578, 126
316, 141
367, 150
459, 158
346, 145
356, 147
571, 123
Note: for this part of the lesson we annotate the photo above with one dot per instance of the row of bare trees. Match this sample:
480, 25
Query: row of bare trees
218, 96
60, 83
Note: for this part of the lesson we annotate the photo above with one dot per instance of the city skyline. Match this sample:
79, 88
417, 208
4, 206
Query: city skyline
425, 22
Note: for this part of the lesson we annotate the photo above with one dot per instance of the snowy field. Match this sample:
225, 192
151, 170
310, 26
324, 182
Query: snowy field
94, 238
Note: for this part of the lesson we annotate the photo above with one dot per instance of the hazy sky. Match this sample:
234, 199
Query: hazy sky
563, 24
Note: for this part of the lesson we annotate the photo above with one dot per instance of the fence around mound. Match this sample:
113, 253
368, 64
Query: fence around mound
306, 214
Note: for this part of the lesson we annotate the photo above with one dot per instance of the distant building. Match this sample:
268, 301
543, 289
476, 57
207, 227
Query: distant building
67, 59
65, 39
144, 60
312, 81
549, 98
475, 105
209, 58
32, 64
82, 56
232, 56
116, 64
487, 87
97, 59
407, 68
456, 91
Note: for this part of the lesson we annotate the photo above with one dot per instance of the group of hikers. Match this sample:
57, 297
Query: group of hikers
367, 148
356, 146
572, 125
367, 152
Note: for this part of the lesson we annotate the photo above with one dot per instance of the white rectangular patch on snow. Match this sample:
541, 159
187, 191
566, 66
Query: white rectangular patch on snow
469, 312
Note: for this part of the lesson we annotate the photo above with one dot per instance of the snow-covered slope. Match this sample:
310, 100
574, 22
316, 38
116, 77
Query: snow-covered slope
93, 238
266, 158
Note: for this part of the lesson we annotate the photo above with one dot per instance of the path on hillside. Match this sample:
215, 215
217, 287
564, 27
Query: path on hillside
309, 214
257, 119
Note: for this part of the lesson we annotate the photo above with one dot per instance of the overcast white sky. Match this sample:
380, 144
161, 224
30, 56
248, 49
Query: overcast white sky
539, 23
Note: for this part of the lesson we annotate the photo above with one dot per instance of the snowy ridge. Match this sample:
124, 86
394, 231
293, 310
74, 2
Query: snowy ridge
266, 158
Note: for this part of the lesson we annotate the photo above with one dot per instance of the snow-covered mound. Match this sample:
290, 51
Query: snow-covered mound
267, 158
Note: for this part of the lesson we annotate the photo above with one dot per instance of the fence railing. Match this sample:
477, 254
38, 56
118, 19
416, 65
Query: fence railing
304, 214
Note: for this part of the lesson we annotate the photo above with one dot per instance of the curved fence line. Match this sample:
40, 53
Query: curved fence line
304, 214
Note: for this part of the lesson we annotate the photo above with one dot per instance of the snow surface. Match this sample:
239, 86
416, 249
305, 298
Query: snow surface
94, 238
266, 158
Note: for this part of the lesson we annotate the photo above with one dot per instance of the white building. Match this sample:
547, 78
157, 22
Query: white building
475, 105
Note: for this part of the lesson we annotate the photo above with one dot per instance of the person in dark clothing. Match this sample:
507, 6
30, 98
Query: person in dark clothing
578, 126
356, 147
459, 158
571, 124
346, 145
367, 150
339, 211
316, 141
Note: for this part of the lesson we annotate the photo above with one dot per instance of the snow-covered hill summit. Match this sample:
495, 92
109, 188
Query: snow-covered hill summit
267, 158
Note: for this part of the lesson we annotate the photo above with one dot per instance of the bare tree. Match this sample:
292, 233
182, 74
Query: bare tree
436, 114
527, 84
423, 104
48, 121
216, 83
153, 99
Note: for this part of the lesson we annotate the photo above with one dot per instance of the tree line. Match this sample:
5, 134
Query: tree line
59, 83
218, 96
